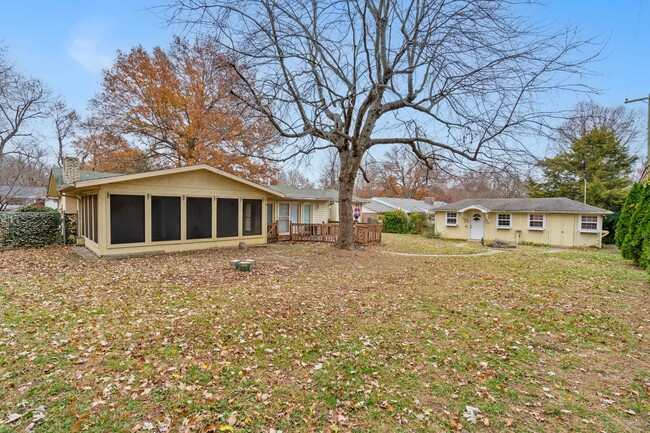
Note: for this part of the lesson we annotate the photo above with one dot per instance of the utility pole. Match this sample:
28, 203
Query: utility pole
646, 169
584, 175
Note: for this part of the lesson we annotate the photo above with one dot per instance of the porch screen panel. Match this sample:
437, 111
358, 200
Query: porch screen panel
165, 218
199, 218
252, 217
95, 212
227, 217
127, 219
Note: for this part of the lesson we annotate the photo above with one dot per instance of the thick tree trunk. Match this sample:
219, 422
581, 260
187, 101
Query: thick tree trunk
350, 163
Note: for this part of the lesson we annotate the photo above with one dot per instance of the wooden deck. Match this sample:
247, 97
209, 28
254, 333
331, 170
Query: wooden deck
326, 232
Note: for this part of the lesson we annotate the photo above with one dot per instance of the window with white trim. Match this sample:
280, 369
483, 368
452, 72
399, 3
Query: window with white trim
588, 223
504, 221
536, 221
452, 218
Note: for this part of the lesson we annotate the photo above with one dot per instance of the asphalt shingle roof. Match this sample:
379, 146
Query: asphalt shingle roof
408, 205
23, 191
84, 175
554, 204
292, 192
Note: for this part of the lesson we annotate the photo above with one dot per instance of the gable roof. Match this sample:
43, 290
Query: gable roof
317, 194
106, 178
18, 192
408, 205
84, 175
553, 204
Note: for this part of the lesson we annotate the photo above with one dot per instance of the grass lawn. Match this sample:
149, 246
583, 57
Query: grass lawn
316, 339
416, 244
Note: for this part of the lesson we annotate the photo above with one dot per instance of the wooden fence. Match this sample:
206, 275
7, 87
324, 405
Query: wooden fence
326, 232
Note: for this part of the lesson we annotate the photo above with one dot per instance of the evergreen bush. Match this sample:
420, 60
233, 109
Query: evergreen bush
623, 223
632, 245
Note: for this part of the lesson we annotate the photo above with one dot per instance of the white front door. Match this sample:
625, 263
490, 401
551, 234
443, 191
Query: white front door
476, 226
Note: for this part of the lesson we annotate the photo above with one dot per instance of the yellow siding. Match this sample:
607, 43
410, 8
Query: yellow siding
189, 184
560, 230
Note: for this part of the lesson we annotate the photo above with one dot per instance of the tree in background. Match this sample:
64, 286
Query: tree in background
23, 102
66, 122
601, 157
99, 149
293, 177
455, 80
177, 105
623, 224
399, 174
487, 182
590, 115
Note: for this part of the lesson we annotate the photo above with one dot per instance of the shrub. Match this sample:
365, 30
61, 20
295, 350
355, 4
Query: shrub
609, 224
395, 222
29, 229
632, 245
34, 208
623, 223
431, 233
418, 222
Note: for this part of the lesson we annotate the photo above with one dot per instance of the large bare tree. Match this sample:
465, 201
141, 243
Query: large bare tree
461, 78
23, 101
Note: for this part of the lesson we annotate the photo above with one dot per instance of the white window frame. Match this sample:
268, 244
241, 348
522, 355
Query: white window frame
500, 226
448, 214
543, 227
584, 230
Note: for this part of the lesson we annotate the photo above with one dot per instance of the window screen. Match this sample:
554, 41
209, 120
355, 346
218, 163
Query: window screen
165, 218
95, 233
127, 219
252, 217
199, 218
227, 217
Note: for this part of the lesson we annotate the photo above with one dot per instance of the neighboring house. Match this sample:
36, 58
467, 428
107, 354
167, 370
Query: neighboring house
18, 196
304, 205
380, 205
180, 209
550, 221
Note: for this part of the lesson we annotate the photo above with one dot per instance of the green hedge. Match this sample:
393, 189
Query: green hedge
398, 221
29, 229
395, 222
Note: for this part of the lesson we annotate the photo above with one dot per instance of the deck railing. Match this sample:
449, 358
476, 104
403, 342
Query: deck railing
325, 232
272, 232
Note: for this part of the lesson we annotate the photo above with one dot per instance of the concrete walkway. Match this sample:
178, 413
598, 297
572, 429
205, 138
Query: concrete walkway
487, 253
85, 254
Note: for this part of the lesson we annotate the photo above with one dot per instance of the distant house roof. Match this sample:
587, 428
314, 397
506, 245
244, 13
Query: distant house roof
23, 192
84, 175
376, 207
294, 193
408, 205
554, 205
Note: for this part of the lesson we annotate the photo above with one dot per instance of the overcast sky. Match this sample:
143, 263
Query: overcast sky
67, 43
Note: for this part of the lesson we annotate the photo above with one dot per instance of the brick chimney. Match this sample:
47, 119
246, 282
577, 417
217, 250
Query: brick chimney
430, 200
70, 170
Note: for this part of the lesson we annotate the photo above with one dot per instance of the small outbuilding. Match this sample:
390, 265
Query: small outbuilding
554, 221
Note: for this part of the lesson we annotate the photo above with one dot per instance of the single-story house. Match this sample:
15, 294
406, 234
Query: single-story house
181, 208
17, 196
378, 206
552, 221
